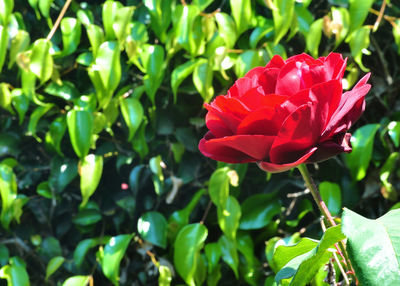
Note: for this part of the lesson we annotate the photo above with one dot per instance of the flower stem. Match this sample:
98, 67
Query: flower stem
326, 214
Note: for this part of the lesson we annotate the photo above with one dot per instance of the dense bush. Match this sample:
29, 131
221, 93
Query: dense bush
101, 179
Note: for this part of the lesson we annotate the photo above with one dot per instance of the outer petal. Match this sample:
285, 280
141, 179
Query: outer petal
299, 133
236, 149
331, 148
263, 121
301, 58
350, 108
335, 66
276, 168
217, 126
276, 62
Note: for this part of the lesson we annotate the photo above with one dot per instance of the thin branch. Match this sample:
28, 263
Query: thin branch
206, 212
378, 20
58, 21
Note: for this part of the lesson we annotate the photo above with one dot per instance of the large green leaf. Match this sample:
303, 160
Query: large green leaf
306, 262
79, 280
111, 256
6, 7
18, 44
53, 265
218, 187
8, 193
374, 247
71, 35
3, 45
226, 29
41, 61
229, 253
359, 42
180, 73
332, 196
133, 113
109, 14
152, 226
188, 244
358, 12
80, 128
242, 14
202, 79
258, 211
229, 217
121, 24
15, 273
160, 13
62, 172
90, 172
313, 37
152, 58
362, 142
185, 25
282, 15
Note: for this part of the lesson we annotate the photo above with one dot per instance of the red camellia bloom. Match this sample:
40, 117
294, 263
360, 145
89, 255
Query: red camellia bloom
285, 114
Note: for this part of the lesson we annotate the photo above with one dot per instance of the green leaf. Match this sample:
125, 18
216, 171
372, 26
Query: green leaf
332, 196
53, 265
185, 27
20, 102
242, 14
109, 14
105, 73
71, 35
15, 273
213, 254
19, 43
258, 211
79, 280
282, 15
85, 17
229, 217
202, 79
160, 13
260, 33
139, 143
165, 276
43, 189
62, 172
80, 128
388, 168
82, 248
44, 7
218, 187
56, 133
362, 142
112, 255
313, 37
6, 7
132, 112
152, 58
374, 247
64, 89
121, 23
35, 117
5, 97
41, 62
188, 244
180, 73
3, 45
152, 226
91, 169
226, 29
358, 11
229, 253
359, 42
8, 193
394, 132
304, 19
96, 37
87, 217
341, 16
304, 261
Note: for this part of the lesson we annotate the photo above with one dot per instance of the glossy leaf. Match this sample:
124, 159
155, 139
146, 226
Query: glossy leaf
96, 37
188, 244
65, 90
248, 60
133, 113
202, 79
121, 23
71, 35
62, 172
358, 11
373, 246
332, 196
226, 29
306, 262
229, 217
109, 13
91, 169
152, 58
213, 254
41, 61
15, 273
185, 25
6, 7
18, 44
53, 265
282, 15
229, 253
111, 256
180, 73
161, 14
359, 42
83, 247
3, 45
394, 132
79, 280
87, 217
80, 128
165, 276
362, 142
242, 14
313, 37
8, 193
56, 133
258, 211
219, 187
152, 226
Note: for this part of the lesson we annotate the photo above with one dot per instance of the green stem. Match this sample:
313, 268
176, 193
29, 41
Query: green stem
325, 212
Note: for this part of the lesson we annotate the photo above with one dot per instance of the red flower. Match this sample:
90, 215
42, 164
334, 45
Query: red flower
285, 114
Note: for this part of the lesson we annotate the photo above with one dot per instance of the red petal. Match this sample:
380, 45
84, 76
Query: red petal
276, 168
301, 58
350, 108
217, 126
335, 66
276, 62
331, 148
288, 81
237, 149
299, 132
263, 121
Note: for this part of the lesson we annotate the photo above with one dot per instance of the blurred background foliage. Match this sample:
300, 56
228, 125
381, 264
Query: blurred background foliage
101, 181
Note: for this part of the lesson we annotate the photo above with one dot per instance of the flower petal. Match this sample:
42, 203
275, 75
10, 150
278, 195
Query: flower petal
217, 126
276, 62
276, 168
236, 149
288, 81
299, 132
334, 66
331, 148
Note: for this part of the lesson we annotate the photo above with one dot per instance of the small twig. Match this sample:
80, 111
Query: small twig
58, 21
298, 194
378, 20
206, 212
